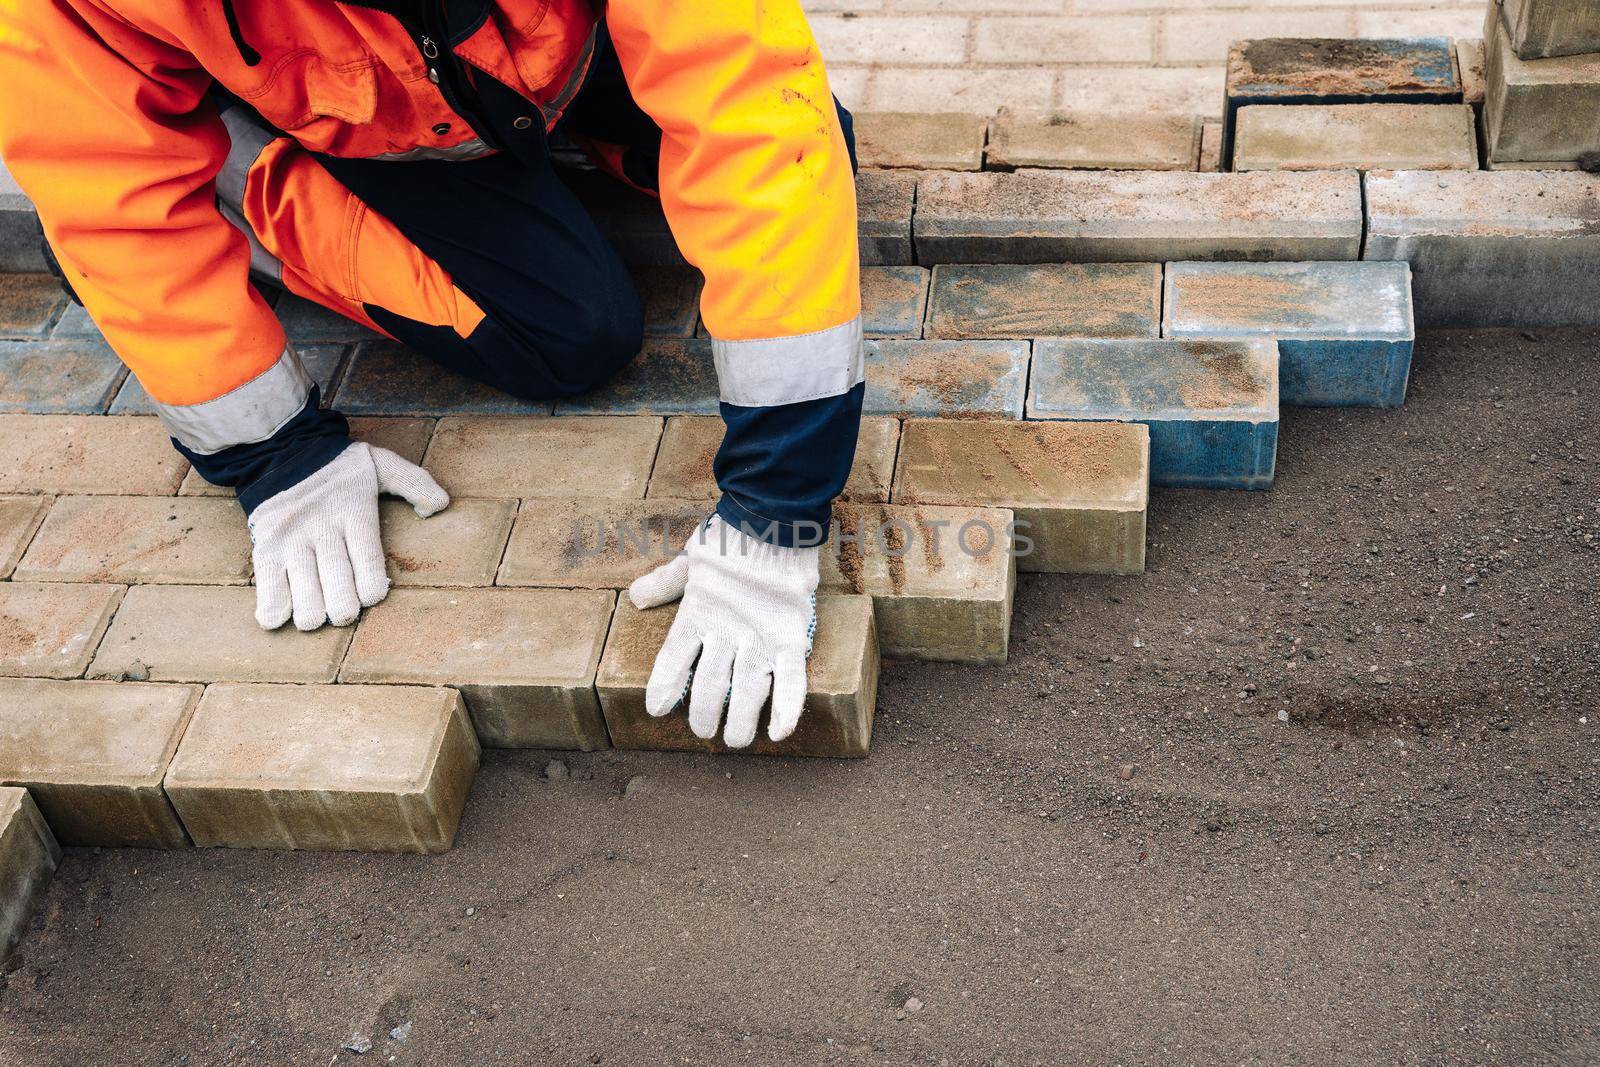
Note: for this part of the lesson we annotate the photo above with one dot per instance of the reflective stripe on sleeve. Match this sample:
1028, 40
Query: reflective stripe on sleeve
253, 412
787, 370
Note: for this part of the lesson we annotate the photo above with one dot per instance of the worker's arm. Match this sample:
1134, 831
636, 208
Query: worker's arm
757, 186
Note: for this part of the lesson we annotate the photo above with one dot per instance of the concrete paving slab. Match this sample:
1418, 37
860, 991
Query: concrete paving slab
459, 546
1344, 330
20, 518
1538, 109
589, 543
1540, 29
87, 454
58, 377
689, 447
669, 376
883, 217
138, 539
1046, 300
928, 139
50, 630
568, 456
1360, 136
386, 378
1093, 141
307, 322
29, 304
29, 856
975, 379
671, 298
1471, 63
893, 301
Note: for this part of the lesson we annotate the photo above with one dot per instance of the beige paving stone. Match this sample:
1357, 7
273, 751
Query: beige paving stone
1081, 488
919, 39
947, 140
459, 546
683, 466
572, 455
1538, 109
93, 755
589, 543
137, 539
1174, 90
1210, 148
406, 437
49, 630
29, 856
20, 517
1099, 141
1045, 300
523, 658
202, 633
1540, 29
1092, 39
841, 683
942, 579
1470, 62
351, 767
1362, 136
957, 89
87, 454
884, 202
1204, 37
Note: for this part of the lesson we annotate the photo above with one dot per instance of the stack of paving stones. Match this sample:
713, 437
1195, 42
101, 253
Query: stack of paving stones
1541, 109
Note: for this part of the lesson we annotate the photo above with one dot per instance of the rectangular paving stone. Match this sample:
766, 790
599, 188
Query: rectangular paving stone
970, 379
406, 437
202, 633
689, 447
1538, 109
29, 856
93, 755
568, 456
1038, 216
320, 361
1210, 148
935, 140
588, 543
671, 298
942, 579
74, 324
1540, 29
1079, 490
459, 546
1211, 406
1501, 248
841, 685
137, 539
87, 454
1093, 141
349, 767
387, 378
524, 659
20, 518
1471, 62
58, 377
1344, 330
893, 301
48, 630
308, 322
883, 217
670, 376
29, 304
1046, 300
1363, 136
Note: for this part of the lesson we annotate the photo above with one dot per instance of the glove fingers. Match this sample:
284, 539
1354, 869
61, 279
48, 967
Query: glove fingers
673, 667
788, 695
752, 681
338, 581
367, 560
401, 478
662, 585
306, 590
710, 692
273, 603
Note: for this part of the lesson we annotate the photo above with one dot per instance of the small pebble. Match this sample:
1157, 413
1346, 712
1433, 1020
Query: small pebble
913, 1004
401, 1032
1126, 772
360, 1044
556, 771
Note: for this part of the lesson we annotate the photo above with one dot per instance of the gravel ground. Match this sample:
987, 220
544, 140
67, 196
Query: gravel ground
1319, 788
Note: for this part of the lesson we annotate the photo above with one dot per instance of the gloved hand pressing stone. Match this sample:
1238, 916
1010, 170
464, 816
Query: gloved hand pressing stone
318, 554
743, 631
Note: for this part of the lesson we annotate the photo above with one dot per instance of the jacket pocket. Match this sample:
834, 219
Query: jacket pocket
314, 99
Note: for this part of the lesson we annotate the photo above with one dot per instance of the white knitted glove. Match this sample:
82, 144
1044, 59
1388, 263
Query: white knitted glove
749, 610
318, 554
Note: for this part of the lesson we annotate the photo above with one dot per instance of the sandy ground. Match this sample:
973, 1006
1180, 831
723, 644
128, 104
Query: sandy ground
1402, 871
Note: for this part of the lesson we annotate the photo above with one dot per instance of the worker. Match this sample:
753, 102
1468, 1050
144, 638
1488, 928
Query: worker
390, 160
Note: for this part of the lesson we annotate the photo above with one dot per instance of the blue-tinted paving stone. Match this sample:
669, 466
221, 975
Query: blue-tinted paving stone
57, 377
947, 379
321, 362
307, 322
893, 301
21, 239
671, 298
1046, 300
28, 304
75, 325
1344, 330
669, 377
1212, 406
385, 378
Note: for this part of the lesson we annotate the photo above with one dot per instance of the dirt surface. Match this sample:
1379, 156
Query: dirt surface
1115, 849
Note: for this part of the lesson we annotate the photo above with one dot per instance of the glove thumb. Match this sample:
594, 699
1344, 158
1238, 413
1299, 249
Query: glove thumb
400, 478
662, 585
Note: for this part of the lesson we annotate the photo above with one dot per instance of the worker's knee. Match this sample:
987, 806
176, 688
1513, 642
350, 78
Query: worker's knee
587, 350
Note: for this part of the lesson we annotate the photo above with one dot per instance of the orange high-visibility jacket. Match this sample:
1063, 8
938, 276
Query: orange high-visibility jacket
106, 123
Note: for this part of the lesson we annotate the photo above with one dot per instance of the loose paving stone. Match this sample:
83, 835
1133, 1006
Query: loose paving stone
387, 378
1540, 29
1210, 148
1037, 216
1538, 109
1046, 300
29, 856
893, 301
1503, 248
1363, 136
941, 579
841, 685
669, 376
407, 438
20, 518
934, 140
968, 379
320, 361
524, 659
568, 456
883, 209
307, 322
49, 630
57, 377
201, 633
1093, 141
587, 543
671, 298
689, 448
1470, 61
29, 304
1344, 330
87, 454
138, 539
1079, 490
1211, 406
93, 755
350, 767
459, 546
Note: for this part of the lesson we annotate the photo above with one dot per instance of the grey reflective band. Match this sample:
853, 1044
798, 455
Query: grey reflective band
787, 370
249, 138
458, 153
253, 412
264, 266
